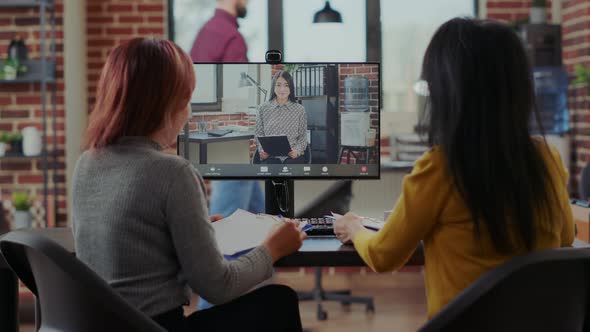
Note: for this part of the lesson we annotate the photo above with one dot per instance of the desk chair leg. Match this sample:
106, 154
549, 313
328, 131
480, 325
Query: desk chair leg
318, 294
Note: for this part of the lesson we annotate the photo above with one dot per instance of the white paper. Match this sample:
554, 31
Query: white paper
243, 230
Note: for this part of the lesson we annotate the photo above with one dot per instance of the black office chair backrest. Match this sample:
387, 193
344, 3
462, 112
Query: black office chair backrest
335, 199
72, 297
542, 291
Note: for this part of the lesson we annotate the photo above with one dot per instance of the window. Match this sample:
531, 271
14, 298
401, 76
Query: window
191, 15
220, 88
208, 96
406, 30
305, 41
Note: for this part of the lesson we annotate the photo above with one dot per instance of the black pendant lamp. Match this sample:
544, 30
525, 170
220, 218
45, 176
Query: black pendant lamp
327, 15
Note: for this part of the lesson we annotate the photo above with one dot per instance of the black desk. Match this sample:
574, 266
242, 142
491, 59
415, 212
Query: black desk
328, 251
203, 139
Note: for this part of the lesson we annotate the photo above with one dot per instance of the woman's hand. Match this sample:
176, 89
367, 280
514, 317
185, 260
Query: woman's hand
263, 155
293, 154
347, 226
284, 239
215, 217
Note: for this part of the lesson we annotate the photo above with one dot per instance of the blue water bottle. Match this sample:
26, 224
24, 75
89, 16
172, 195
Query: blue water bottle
551, 85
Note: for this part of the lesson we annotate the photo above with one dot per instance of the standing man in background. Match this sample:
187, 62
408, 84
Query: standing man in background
220, 41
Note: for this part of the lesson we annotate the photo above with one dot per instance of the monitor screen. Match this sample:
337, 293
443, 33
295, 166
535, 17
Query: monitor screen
288, 120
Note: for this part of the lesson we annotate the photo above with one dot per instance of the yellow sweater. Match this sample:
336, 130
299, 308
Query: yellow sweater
430, 209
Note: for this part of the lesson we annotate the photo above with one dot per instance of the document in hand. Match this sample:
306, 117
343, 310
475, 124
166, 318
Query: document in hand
243, 230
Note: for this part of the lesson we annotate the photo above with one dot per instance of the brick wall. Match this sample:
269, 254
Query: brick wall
108, 23
576, 51
20, 106
511, 10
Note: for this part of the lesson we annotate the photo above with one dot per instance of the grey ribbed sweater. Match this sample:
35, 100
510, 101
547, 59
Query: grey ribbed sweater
141, 222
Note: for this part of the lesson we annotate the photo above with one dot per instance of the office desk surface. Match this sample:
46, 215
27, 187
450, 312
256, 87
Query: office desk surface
204, 138
316, 251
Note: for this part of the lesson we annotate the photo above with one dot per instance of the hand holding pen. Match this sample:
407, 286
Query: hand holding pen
284, 239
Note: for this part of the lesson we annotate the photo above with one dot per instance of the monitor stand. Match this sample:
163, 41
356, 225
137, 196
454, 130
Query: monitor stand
279, 197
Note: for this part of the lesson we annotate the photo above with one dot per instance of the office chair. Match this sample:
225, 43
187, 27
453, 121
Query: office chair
542, 291
336, 199
71, 297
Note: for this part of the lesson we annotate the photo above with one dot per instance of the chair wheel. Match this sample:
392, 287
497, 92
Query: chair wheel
371, 308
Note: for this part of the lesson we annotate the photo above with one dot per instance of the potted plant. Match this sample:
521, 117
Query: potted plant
16, 143
582, 74
4, 141
10, 68
22, 214
538, 13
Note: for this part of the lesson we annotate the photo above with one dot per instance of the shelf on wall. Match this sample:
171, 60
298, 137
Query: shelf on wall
24, 3
34, 73
18, 156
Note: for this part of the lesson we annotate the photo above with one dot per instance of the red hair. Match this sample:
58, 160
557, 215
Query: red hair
143, 83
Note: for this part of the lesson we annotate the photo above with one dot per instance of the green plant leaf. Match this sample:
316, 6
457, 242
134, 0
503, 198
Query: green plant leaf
21, 201
582, 74
4, 137
15, 136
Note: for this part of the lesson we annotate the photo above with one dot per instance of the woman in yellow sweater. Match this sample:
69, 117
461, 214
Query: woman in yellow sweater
486, 191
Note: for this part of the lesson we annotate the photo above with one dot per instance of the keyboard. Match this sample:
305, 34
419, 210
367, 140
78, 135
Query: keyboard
321, 226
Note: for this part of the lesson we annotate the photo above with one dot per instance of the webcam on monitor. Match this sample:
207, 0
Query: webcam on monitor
273, 56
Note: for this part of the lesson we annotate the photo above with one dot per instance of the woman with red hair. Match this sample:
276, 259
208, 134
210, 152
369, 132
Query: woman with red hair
140, 215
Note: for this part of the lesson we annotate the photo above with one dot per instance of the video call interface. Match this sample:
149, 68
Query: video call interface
291, 120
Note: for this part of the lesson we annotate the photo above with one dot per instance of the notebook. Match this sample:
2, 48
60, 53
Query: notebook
243, 230
275, 145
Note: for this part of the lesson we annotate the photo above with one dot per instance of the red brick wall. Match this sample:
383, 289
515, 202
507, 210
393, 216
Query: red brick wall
576, 48
20, 106
110, 22
511, 10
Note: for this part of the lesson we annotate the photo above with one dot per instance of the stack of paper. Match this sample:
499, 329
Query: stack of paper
243, 230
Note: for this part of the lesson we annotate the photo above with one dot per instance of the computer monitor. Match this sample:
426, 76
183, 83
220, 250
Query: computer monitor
284, 121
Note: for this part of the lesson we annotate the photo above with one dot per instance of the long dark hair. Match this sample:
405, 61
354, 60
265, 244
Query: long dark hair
289, 80
481, 101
